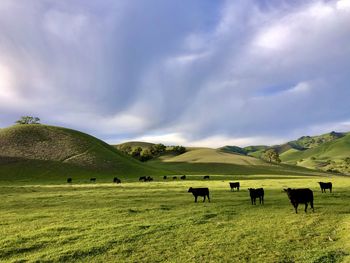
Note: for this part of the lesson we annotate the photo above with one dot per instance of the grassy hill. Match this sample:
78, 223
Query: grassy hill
33, 151
217, 161
330, 155
147, 145
326, 152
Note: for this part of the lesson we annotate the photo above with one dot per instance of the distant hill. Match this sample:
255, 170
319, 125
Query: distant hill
46, 147
326, 152
134, 144
333, 154
220, 161
254, 151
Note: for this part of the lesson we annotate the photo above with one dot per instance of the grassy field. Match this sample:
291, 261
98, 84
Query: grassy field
159, 222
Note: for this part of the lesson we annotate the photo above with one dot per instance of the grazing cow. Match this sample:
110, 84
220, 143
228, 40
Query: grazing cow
234, 185
325, 186
142, 178
93, 179
199, 192
183, 177
148, 179
300, 196
69, 180
206, 177
174, 177
164, 177
116, 180
256, 193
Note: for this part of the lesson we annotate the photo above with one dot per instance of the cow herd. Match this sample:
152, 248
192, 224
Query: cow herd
296, 196
93, 180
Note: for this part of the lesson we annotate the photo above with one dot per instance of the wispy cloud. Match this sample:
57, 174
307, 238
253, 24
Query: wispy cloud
199, 73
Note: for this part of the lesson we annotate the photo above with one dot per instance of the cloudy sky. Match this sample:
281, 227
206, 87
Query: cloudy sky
196, 72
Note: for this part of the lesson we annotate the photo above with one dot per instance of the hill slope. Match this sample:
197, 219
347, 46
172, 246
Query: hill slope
47, 146
330, 155
216, 161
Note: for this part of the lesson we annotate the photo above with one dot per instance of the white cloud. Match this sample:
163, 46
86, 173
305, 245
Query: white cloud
235, 73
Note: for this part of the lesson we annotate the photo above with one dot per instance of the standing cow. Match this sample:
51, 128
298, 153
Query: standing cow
325, 186
199, 192
206, 177
116, 180
300, 196
234, 185
183, 177
69, 180
256, 193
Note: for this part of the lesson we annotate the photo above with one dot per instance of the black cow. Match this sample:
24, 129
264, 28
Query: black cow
256, 193
93, 179
164, 177
206, 177
234, 185
142, 178
199, 192
174, 177
300, 196
325, 186
148, 179
183, 177
116, 180
69, 180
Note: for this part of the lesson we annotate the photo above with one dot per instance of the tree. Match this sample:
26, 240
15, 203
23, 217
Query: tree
135, 152
126, 149
179, 149
158, 148
28, 120
145, 155
271, 155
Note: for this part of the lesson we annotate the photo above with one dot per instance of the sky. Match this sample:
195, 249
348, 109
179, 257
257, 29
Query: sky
195, 73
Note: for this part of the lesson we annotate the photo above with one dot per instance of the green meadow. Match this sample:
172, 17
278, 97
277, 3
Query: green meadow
159, 221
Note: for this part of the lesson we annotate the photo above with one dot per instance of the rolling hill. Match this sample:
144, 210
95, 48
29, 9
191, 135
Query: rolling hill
218, 161
42, 149
330, 155
326, 152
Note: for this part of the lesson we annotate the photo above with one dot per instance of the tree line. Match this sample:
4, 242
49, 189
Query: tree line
147, 153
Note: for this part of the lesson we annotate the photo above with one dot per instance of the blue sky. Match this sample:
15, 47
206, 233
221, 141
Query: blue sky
207, 73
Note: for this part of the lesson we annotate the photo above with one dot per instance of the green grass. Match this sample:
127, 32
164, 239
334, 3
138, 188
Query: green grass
159, 222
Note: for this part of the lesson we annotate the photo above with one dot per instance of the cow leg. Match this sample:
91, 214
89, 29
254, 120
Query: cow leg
195, 199
296, 208
330, 190
238, 189
203, 198
208, 198
305, 207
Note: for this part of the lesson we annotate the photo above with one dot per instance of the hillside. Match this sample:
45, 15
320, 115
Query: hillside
40, 148
217, 161
134, 144
329, 156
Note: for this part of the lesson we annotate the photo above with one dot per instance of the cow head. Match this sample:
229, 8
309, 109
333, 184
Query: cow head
190, 190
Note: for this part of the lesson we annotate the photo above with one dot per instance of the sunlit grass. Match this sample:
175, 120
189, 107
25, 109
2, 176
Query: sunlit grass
158, 221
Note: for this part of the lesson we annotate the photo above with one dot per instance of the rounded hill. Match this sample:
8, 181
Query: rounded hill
64, 146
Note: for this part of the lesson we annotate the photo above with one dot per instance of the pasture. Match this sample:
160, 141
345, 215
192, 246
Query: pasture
159, 221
